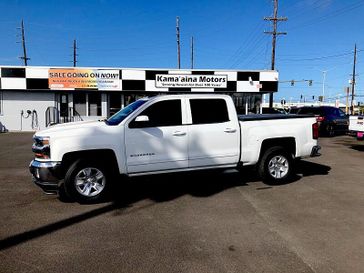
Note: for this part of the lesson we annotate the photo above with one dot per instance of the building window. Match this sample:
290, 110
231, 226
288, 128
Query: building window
87, 104
247, 103
94, 104
79, 103
130, 98
115, 103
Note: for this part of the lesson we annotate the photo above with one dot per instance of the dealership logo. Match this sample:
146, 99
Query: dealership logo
190, 81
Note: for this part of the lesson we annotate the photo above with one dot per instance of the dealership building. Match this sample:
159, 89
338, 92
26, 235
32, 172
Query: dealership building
33, 98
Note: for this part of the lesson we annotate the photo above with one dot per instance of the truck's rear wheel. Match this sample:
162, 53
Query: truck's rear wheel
276, 166
87, 181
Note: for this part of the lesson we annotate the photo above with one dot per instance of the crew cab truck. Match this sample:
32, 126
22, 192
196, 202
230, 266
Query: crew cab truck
169, 133
356, 126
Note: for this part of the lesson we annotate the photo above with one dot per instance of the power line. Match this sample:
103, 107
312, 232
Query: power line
247, 44
334, 13
318, 58
255, 46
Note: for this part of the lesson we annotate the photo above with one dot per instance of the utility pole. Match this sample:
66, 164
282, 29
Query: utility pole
347, 89
24, 57
353, 83
178, 43
192, 52
274, 34
74, 53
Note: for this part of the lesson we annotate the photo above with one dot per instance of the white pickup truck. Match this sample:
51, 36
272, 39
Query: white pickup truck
170, 133
356, 126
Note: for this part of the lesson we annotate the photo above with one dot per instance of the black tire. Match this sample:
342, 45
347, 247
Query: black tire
63, 196
87, 181
276, 166
330, 130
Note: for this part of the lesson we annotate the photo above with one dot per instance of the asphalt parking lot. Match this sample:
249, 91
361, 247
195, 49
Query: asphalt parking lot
200, 222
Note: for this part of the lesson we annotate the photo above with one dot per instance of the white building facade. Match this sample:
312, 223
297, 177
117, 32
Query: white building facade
33, 98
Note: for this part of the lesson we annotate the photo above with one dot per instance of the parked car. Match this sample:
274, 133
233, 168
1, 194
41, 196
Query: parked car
331, 120
293, 110
273, 111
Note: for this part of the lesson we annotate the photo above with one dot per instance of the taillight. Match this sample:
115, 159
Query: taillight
315, 131
318, 119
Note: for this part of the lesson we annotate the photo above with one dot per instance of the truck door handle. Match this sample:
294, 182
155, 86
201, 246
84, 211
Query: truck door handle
179, 133
230, 130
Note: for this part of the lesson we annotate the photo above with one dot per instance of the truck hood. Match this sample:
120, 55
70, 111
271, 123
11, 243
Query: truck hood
72, 127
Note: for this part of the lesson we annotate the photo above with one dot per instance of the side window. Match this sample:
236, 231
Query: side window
206, 111
341, 113
163, 113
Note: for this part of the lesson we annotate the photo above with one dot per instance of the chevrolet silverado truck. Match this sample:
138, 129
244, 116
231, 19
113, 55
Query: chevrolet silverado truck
356, 127
163, 134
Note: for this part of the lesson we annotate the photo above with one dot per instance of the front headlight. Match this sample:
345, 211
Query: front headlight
41, 147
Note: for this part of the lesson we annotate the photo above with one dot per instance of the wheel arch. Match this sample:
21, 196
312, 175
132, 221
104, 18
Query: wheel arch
287, 143
106, 156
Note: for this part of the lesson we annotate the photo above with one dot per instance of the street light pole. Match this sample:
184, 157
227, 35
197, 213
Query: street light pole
323, 85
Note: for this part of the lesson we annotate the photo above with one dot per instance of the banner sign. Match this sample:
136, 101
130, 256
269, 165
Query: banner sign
191, 81
84, 79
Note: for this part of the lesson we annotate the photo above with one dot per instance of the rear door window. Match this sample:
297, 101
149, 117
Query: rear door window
341, 113
207, 111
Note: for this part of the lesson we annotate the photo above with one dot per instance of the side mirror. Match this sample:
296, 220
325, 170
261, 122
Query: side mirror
141, 119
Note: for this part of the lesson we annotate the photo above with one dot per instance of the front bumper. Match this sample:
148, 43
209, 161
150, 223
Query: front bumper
46, 175
315, 151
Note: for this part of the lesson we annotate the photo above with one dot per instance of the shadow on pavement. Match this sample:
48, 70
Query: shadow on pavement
156, 188
161, 188
306, 168
359, 148
352, 143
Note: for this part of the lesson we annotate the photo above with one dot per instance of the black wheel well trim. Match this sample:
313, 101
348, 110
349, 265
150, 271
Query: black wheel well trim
288, 143
94, 154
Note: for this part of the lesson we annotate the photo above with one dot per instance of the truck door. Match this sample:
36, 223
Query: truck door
159, 141
214, 135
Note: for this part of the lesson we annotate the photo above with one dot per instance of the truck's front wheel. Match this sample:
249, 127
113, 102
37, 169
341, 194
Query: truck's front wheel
276, 166
86, 181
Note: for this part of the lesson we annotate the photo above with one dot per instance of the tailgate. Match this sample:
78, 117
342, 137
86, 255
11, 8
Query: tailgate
356, 123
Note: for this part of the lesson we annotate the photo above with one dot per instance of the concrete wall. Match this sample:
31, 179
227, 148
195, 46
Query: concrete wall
14, 102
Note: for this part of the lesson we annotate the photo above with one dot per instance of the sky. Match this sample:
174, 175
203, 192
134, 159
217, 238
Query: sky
228, 34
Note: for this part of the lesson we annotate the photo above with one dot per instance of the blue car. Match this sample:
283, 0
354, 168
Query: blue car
331, 120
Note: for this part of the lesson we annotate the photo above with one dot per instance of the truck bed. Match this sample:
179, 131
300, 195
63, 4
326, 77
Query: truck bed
271, 116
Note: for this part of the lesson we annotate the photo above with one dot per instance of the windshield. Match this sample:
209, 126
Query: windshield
125, 112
